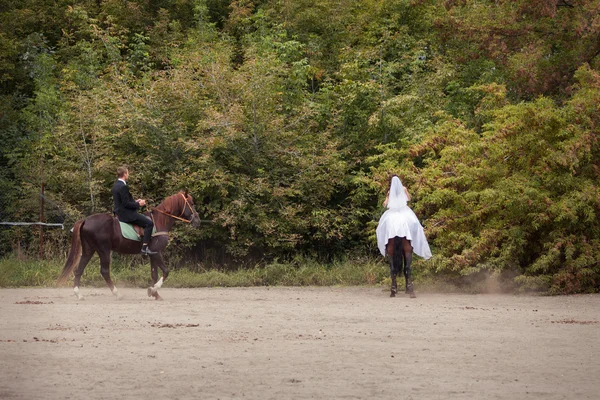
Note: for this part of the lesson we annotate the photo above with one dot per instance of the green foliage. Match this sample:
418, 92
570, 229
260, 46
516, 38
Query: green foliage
537, 45
521, 196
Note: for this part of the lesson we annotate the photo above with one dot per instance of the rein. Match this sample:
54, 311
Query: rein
182, 212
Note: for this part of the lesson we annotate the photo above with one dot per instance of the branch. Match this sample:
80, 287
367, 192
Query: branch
563, 3
596, 54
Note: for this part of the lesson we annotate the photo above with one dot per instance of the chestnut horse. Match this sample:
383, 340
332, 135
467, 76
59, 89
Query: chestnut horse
101, 233
399, 250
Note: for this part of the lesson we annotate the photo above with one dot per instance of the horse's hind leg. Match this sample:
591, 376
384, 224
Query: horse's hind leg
407, 251
105, 271
394, 264
399, 256
86, 254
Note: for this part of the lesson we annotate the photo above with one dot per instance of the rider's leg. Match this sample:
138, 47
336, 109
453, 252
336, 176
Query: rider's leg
147, 224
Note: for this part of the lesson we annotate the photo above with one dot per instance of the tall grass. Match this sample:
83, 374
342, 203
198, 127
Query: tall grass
15, 272
132, 271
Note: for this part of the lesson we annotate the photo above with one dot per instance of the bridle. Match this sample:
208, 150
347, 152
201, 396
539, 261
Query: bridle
187, 204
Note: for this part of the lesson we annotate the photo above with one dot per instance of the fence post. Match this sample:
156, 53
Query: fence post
42, 221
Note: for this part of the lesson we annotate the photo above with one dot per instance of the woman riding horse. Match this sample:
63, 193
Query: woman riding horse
399, 233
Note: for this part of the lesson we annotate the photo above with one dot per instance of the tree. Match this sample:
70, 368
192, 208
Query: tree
537, 45
523, 196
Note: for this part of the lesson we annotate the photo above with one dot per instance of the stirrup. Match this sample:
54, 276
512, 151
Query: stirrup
148, 252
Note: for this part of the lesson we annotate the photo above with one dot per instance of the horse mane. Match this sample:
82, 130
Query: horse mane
173, 201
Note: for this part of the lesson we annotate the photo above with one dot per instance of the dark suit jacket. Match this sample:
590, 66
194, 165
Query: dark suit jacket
126, 207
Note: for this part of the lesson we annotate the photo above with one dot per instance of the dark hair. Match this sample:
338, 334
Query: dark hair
122, 171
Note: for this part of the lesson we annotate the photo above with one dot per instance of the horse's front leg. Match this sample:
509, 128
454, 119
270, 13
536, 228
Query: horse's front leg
154, 275
105, 272
157, 244
156, 261
393, 274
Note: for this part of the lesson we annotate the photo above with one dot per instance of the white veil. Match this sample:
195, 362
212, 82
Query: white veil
397, 197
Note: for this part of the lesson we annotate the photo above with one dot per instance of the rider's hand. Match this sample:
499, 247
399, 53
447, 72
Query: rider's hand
141, 202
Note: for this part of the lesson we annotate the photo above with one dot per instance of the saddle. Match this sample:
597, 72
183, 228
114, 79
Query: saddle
130, 231
135, 232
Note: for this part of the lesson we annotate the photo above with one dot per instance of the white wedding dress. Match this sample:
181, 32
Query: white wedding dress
399, 220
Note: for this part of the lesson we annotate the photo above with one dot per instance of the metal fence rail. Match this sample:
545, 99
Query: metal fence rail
24, 222
62, 226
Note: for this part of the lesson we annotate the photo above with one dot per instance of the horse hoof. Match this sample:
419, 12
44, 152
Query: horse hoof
118, 295
413, 296
393, 293
157, 297
150, 294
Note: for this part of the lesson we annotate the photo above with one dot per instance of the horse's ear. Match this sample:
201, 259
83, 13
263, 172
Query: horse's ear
185, 193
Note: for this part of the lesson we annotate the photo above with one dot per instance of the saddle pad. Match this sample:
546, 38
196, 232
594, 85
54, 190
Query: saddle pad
128, 232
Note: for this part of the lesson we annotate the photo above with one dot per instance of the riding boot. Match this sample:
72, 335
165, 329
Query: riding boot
146, 251
147, 237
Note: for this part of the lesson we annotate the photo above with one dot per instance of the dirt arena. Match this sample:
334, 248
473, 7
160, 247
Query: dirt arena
296, 343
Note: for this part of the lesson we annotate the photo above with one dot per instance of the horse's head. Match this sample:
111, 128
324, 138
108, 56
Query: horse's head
188, 209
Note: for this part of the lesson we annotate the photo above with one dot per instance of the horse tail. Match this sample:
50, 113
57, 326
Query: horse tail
74, 254
398, 254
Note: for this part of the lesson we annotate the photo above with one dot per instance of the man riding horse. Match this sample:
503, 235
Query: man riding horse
127, 209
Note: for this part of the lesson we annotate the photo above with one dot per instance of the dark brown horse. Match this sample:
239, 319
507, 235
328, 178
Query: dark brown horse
101, 233
400, 251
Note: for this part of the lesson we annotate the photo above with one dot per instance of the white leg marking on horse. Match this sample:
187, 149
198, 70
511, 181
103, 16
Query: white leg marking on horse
118, 295
76, 290
158, 284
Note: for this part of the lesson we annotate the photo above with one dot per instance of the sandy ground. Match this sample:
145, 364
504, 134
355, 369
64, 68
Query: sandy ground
296, 343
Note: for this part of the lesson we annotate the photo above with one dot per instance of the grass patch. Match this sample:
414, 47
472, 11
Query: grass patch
15, 272
308, 273
131, 271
